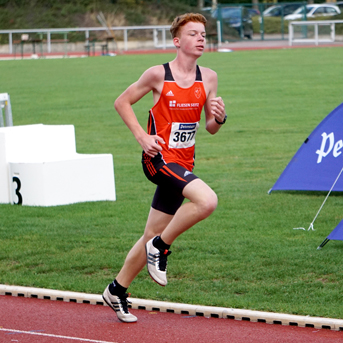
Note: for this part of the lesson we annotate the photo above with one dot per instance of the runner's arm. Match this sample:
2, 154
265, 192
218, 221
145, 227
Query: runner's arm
214, 106
123, 105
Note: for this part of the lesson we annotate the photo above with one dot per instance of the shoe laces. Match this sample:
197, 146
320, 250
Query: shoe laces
163, 260
124, 302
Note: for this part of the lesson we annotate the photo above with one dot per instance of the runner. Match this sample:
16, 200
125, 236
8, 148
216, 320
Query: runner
181, 89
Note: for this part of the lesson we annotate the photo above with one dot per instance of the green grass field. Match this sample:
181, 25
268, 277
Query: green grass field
247, 254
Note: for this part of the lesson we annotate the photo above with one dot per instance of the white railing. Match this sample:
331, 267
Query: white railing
158, 43
316, 38
5, 103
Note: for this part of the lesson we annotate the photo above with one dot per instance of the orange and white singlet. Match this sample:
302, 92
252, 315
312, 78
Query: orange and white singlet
175, 118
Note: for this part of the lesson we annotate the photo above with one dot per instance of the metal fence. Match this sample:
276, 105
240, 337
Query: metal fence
323, 31
156, 37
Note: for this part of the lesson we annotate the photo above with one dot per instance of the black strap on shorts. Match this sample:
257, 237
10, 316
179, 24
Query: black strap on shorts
169, 76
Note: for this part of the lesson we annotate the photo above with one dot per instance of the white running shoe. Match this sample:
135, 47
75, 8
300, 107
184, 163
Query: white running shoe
157, 263
119, 305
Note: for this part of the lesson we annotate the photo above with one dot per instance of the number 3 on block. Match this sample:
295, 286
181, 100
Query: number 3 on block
20, 198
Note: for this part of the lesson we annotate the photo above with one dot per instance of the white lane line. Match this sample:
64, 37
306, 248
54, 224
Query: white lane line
54, 336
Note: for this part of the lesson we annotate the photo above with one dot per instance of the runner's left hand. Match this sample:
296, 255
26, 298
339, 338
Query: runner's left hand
218, 108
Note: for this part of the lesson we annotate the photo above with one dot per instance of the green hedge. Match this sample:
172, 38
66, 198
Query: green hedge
21, 14
37, 14
25, 14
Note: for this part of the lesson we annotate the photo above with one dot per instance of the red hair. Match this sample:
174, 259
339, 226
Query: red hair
183, 19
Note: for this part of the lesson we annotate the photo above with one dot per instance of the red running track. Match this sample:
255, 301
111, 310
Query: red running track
29, 320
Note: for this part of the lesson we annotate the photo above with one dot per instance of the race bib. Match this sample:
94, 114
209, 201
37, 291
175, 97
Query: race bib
182, 135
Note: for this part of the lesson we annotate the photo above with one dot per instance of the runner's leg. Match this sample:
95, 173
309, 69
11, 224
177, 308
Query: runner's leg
203, 201
136, 258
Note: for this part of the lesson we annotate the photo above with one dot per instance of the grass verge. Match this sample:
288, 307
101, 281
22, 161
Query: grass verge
246, 255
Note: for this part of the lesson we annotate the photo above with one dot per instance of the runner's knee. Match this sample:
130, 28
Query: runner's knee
208, 204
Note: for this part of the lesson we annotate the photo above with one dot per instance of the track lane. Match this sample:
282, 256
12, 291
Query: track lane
47, 321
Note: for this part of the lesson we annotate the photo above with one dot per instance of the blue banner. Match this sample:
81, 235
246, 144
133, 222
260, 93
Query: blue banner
319, 160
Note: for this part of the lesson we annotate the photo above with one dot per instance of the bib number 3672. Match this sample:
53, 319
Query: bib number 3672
182, 135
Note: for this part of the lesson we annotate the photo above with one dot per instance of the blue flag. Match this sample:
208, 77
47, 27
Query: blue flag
337, 232
319, 160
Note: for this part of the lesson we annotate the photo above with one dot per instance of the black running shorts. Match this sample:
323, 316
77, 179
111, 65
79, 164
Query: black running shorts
170, 179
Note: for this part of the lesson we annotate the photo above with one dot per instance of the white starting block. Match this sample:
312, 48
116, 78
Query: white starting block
39, 166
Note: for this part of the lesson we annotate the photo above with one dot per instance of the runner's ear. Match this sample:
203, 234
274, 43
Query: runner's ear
176, 41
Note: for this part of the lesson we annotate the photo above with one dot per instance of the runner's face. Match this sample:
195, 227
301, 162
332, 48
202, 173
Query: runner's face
192, 38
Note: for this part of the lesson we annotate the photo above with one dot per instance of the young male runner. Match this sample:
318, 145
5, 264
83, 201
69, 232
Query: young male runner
180, 90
